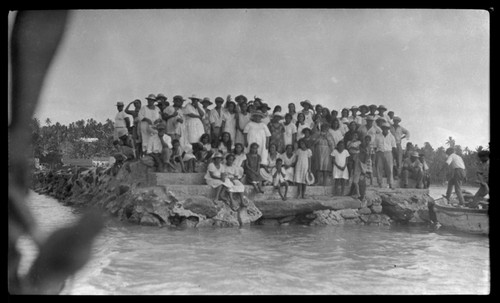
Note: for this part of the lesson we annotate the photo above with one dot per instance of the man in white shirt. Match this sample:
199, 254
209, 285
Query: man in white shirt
216, 120
382, 113
456, 176
385, 145
120, 124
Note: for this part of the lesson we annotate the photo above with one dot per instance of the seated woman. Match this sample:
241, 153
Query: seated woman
252, 167
226, 144
239, 155
234, 174
203, 149
265, 170
180, 156
216, 177
289, 158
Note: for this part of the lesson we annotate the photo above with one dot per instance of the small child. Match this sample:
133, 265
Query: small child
279, 178
180, 155
252, 167
369, 163
353, 149
302, 168
203, 149
340, 173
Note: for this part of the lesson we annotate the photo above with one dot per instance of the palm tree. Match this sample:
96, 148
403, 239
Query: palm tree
479, 148
48, 122
450, 142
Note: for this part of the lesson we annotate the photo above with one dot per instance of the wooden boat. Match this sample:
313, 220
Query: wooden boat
471, 220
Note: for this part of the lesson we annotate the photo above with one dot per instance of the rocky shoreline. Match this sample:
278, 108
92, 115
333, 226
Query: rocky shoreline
133, 195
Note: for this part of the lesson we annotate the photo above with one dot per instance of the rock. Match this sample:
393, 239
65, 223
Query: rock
269, 222
148, 161
189, 222
377, 219
123, 189
349, 213
404, 206
226, 217
376, 209
149, 220
205, 223
364, 211
200, 205
327, 217
286, 219
353, 221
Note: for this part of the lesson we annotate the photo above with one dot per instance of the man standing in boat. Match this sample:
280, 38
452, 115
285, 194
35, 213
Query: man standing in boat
456, 164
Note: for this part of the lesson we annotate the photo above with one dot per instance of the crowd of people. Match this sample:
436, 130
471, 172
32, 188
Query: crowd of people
244, 142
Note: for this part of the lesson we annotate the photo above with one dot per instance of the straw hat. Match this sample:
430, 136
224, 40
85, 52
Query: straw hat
119, 104
396, 119
217, 155
194, 97
257, 113
161, 96
151, 97
306, 102
414, 154
382, 107
206, 100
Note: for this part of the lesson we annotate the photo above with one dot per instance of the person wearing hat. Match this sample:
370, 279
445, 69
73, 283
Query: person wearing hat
174, 117
148, 115
456, 176
216, 121
399, 134
120, 126
363, 110
373, 109
257, 132
216, 177
193, 114
382, 113
206, 116
242, 119
412, 168
354, 117
385, 146
307, 111
264, 108
161, 102
390, 117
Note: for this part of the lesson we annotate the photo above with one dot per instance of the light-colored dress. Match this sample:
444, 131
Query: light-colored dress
238, 159
290, 129
216, 172
271, 163
323, 147
235, 173
230, 125
243, 121
300, 134
302, 166
194, 126
151, 114
257, 132
337, 135
340, 159
288, 162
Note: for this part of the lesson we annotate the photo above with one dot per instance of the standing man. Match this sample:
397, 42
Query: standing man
120, 124
206, 117
373, 109
482, 177
386, 147
399, 133
382, 113
412, 168
457, 175
173, 116
216, 120
193, 115
363, 109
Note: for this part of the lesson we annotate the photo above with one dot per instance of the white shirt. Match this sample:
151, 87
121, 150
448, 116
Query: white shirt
154, 143
290, 129
455, 161
120, 119
385, 143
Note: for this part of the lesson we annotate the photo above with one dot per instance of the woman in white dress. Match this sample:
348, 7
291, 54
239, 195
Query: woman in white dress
257, 132
265, 170
216, 176
234, 174
193, 114
242, 119
148, 115
229, 120
340, 172
239, 154
336, 132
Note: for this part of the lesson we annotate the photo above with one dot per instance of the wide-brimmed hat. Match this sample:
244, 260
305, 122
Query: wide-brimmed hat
179, 97
194, 97
306, 102
396, 118
345, 109
380, 119
240, 98
258, 113
161, 96
217, 155
219, 99
414, 154
354, 107
385, 125
370, 118
206, 100
151, 97
363, 106
310, 178
278, 114
382, 107
119, 103
264, 105
373, 106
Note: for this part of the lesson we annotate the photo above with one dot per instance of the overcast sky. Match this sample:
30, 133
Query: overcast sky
431, 67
